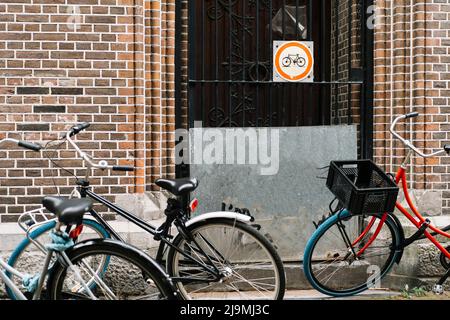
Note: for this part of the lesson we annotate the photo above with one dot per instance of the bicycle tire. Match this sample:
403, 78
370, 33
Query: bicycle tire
308, 260
18, 252
145, 265
245, 229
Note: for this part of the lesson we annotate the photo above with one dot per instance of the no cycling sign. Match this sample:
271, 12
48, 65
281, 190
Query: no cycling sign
293, 61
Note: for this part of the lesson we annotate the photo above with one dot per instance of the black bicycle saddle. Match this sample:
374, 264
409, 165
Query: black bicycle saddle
68, 211
178, 187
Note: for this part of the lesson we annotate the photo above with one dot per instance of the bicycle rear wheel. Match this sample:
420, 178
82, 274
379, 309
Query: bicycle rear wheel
249, 266
342, 257
130, 274
28, 258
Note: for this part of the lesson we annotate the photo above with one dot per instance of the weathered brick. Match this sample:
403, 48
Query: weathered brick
33, 127
15, 182
67, 91
49, 109
32, 18
100, 19
101, 91
32, 90
67, 55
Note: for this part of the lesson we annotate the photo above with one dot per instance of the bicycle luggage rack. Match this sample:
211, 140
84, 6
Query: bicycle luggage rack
362, 187
32, 220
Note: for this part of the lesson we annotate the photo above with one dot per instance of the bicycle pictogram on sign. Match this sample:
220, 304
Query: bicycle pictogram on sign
293, 60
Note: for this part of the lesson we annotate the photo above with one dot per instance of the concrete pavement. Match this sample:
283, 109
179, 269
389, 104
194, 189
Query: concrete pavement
315, 295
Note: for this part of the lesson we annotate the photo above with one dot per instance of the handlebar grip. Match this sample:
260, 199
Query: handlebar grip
30, 145
447, 148
412, 115
123, 168
79, 127
83, 126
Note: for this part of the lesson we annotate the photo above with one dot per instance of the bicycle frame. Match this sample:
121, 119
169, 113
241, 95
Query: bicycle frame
9, 283
177, 215
416, 219
161, 236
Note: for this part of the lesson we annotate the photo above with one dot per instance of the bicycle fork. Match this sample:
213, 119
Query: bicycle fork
347, 241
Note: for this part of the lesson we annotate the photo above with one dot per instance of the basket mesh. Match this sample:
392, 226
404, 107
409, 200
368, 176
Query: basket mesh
362, 187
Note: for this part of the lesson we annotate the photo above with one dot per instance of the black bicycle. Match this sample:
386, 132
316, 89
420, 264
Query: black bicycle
92, 269
218, 255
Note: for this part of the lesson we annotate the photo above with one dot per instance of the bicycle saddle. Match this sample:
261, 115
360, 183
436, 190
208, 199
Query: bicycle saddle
178, 187
68, 211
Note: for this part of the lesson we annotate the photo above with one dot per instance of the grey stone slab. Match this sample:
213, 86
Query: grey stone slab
288, 201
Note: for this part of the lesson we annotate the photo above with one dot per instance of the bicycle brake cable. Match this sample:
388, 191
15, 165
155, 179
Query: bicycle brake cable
54, 163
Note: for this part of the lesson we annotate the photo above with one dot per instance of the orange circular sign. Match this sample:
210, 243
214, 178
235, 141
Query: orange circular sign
293, 61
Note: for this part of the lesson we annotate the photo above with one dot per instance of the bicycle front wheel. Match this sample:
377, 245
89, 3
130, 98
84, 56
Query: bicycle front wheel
247, 265
343, 257
130, 274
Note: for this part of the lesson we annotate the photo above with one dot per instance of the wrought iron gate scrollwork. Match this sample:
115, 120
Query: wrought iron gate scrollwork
230, 62
218, 115
239, 66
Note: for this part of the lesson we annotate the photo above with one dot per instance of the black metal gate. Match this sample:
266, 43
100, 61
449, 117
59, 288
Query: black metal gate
230, 48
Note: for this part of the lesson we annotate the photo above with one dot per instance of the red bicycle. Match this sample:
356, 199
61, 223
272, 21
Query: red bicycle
354, 248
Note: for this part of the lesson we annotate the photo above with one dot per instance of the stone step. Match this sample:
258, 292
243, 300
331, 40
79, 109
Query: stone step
296, 280
437, 221
147, 206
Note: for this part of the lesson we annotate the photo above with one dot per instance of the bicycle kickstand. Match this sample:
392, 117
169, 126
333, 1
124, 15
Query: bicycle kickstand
439, 288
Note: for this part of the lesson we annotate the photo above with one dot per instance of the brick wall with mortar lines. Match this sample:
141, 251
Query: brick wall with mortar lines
63, 62
160, 90
426, 58
345, 10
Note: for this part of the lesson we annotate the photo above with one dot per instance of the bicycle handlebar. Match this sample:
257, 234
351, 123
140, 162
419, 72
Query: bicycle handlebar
409, 143
24, 144
30, 146
80, 127
103, 164
77, 129
123, 168
412, 115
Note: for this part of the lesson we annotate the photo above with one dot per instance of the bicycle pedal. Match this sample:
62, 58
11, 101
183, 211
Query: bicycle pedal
438, 289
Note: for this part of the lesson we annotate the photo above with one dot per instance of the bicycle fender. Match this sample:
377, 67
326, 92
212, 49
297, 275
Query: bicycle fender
220, 214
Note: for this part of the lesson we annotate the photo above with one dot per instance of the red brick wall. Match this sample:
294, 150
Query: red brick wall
426, 91
116, 70
160, 89
54, 73
348, 97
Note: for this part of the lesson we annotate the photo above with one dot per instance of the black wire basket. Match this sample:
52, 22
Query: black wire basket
362, 187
